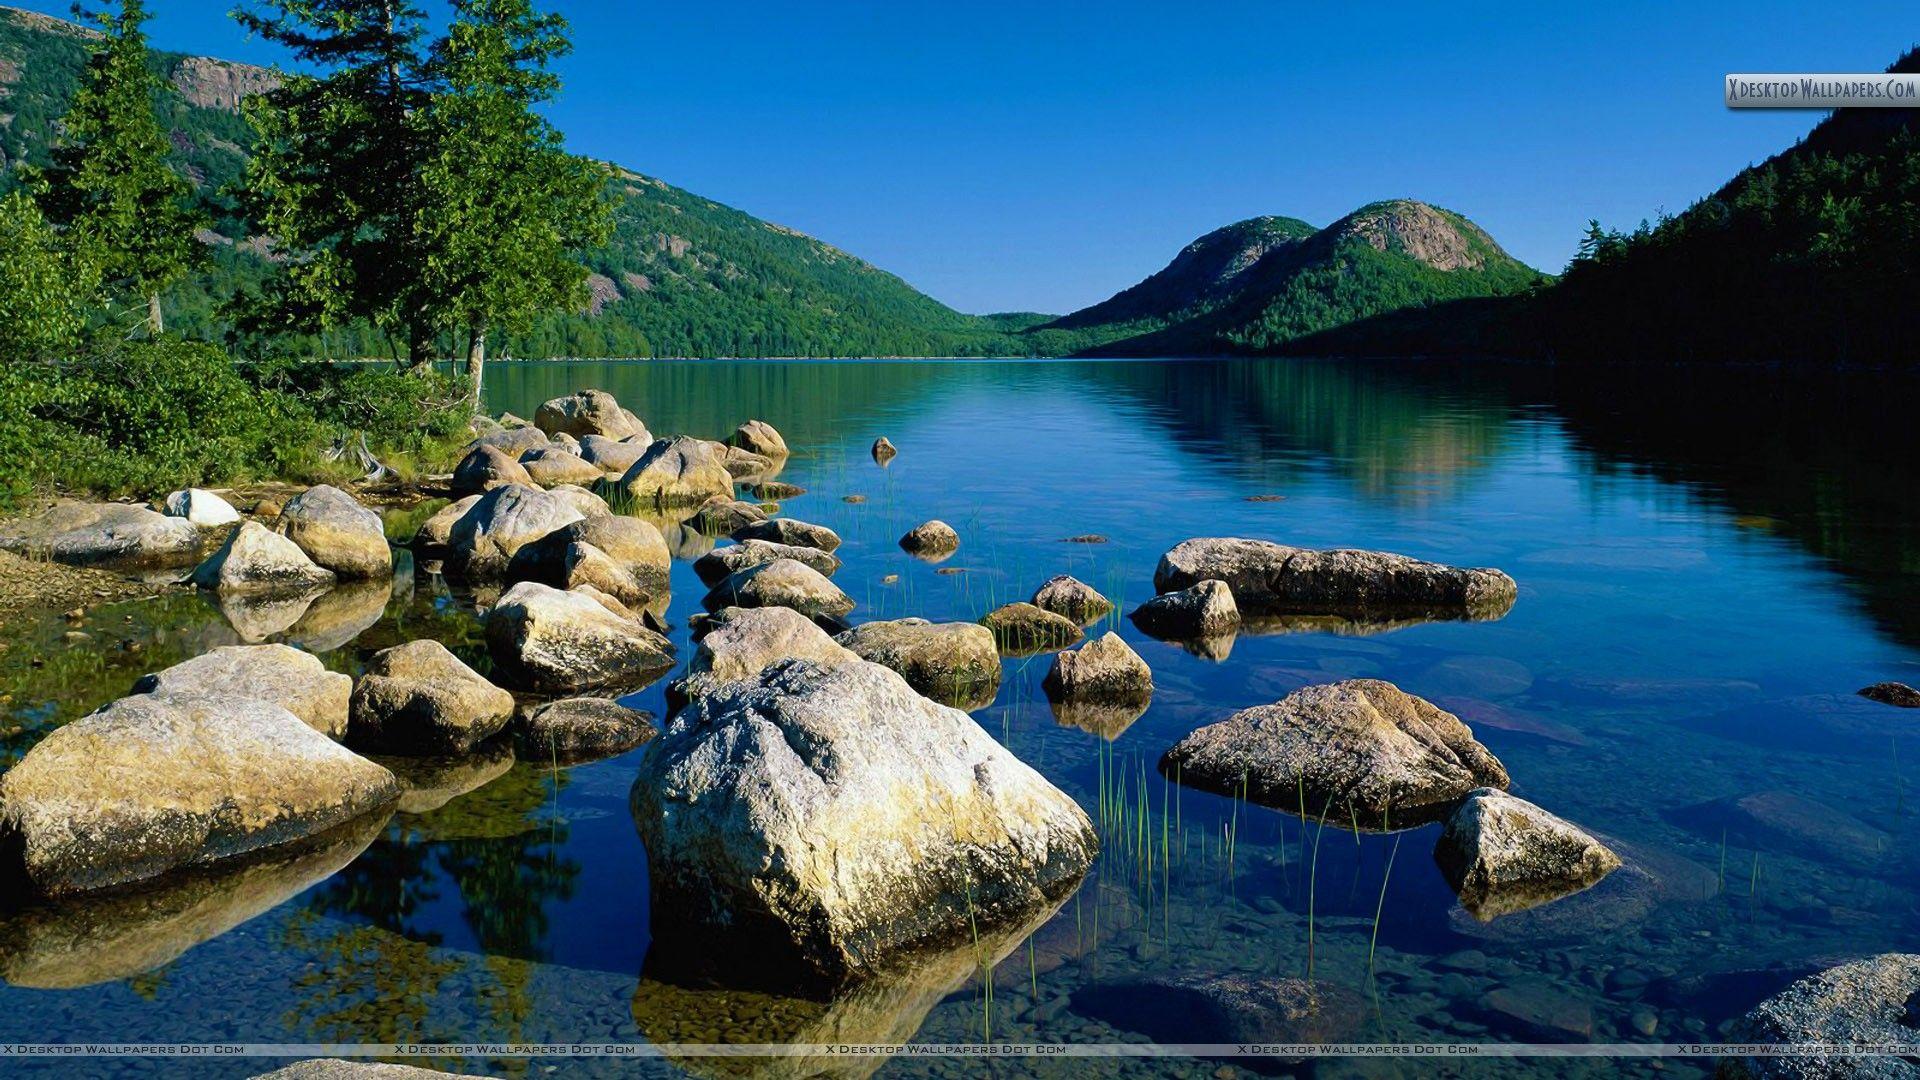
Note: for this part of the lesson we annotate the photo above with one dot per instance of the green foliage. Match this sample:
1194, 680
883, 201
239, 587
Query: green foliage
44, 288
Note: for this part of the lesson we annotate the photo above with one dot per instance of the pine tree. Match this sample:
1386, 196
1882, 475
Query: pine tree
109, 184
506, 208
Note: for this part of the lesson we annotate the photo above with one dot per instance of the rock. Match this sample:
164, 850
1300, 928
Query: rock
739, 642
1780, 821
584, 565
827, 822
1647, 880
487, 467
1104, 671
588, 412
1502, 854
634, 545
1273, 578
549, 641
780, 583
1226, 1008
680, 471
722, 517
931, 540
791, 532
256, 561
1084, 538
337, 532
768, 490
430, 540
266, 509
1539, 1009
512, 441
883, 451
759, 437
158, 781
337, 1069
485, 539
418, 698
201, 507
953, 663
550, 465
589, 504
718, 563
853, 500
1071, 598
1864, 1003
1892, 693
1361, 749
1831, 725
572, 731
276, 674
567, 442
613, 456
111, 535
1023, 630
1205, 610
429, 783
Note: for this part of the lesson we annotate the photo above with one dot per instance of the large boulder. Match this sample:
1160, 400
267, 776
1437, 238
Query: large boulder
550, 465
827, 823
791, 532
277, 674
1274, 578
1502, 854
576, 730
953, 663
1864, 1003
1023, 630
740, 642
512, 440
1069, 597
588, 412
588, 503
201, 507
932, 540
255, 560
418, 698
562, 642
633, 545
337, 532
485, 539
112, 535
681, 471
759, 437
720, 562
1104, 671
612, 456
487, 467
1362, 750
781, 583
432, 539
158, 781
1204, 610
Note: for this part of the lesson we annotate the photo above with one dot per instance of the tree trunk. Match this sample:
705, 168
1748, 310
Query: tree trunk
419, 348
476, 363
155, 324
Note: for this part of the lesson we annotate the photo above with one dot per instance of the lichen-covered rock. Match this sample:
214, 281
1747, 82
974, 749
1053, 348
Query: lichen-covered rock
1274, 578
562, 642
953, 663
828, 823
792, 532
431, 539
759, 437
612, 456
550, 465
1105, 670
1502, 854
111, 535
278, 674
573, 731
487, 467
1205, 610
1361, 750
1071, 598
715, 565
201, 507
485, 539
780, 583
1023, 630
884, 450
418, 698
1864, 1003
158, 781
680, 471
255, 560
1892, 693
337, 532
931, 540
722, 517
739, 642
588, 412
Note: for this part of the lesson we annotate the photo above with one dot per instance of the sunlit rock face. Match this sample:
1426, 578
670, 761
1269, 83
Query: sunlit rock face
954, 663
1503, 855
278, 674
1274, 578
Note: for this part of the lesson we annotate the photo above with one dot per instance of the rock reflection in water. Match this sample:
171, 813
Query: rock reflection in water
341, 614
257, 618
427, 784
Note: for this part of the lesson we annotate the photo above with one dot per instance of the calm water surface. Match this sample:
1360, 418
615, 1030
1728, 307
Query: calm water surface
1709, 566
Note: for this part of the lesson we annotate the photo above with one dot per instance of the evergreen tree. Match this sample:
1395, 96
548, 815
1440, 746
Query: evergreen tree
109, 183
506, 209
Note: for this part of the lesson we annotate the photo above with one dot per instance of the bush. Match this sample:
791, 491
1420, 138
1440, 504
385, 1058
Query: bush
44, 289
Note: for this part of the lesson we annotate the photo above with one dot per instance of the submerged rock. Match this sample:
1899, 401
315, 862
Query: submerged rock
1274, 578
791, 532
337, 532
1204, 610
549, 641
576, 730
255, 561
550, 465
1780, 821
1072, 598
485, 539
418, 698
1362, 749
759, 437
932, 540
680, 471
1023, 630
1865, 1003
883, 450
588, 412
780, 583
1104, 671
1502, 854
277, 674
715, 565
111, 535
827, 823
1892, 693
201, 507
487, 467
1226, 1008
953, 663
740, 642
158, 781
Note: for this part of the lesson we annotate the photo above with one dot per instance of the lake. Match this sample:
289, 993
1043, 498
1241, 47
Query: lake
1710, 565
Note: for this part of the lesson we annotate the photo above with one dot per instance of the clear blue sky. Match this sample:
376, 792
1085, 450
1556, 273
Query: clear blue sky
1042, 155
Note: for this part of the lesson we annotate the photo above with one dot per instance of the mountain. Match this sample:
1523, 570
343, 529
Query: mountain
1255, 285
682, 275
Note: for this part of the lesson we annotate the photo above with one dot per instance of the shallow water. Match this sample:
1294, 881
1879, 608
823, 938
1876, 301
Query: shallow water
1709, 566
